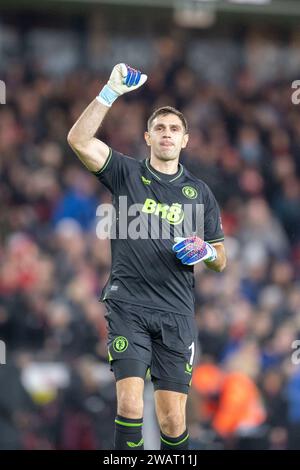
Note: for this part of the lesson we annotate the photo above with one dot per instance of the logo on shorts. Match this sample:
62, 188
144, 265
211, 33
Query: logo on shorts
190, 192
188, 368
120, 344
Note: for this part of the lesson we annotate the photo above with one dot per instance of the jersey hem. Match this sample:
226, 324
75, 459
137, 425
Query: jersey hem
127, 301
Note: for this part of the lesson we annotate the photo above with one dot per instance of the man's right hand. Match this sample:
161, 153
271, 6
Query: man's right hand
92, 151
123, 79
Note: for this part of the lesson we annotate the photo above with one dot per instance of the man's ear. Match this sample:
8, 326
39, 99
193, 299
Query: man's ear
185, 140
147, 138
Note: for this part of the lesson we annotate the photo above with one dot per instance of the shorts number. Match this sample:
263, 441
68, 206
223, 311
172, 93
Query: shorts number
192, 347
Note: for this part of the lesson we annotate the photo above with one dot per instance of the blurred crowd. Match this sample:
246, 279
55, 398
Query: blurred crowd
245, 144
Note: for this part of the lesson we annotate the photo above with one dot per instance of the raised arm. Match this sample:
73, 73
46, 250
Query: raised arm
92, 151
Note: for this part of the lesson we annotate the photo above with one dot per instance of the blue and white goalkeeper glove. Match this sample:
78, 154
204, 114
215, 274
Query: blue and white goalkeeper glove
192, 250
123, 79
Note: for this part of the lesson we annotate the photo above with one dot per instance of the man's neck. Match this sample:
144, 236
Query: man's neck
168, 167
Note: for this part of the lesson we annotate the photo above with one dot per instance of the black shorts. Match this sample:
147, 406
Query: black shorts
141, 338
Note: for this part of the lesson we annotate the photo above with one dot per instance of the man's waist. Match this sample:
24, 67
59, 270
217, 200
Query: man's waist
170, 304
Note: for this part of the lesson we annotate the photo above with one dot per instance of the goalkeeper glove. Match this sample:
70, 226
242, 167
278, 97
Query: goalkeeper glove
122, 79
192, 250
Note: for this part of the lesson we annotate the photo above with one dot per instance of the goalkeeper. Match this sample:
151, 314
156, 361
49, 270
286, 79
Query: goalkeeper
149, 296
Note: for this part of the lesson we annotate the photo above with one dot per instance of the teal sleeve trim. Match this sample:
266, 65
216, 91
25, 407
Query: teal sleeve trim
97, 173
216, 240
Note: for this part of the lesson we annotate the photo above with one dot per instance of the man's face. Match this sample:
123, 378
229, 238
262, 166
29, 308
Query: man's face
166, 137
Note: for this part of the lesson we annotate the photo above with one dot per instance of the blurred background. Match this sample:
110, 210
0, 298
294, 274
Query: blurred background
229, 67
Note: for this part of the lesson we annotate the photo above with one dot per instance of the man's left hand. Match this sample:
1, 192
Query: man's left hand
192, 250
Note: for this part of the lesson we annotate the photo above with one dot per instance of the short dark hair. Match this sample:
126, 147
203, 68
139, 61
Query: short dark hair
167, 110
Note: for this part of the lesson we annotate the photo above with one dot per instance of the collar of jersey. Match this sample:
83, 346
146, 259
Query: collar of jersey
158, 177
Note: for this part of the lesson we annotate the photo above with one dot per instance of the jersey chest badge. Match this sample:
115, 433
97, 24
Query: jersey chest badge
189, 192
